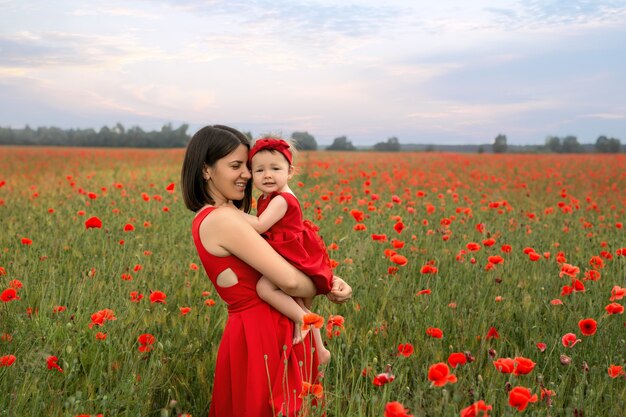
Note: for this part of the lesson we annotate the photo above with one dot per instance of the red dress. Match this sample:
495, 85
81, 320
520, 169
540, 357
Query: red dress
251, 377
298, 242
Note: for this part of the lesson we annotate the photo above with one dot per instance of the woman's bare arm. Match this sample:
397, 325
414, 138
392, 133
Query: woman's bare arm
225, 232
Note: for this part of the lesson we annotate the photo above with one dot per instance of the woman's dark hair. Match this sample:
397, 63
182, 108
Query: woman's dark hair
205, 148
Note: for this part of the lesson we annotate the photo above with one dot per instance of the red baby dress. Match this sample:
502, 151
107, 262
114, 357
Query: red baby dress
258, 372
298, 242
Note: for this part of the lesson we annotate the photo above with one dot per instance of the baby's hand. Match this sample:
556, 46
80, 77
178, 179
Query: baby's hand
340, 292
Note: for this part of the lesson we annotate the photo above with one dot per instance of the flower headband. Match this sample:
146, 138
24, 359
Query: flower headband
271, 144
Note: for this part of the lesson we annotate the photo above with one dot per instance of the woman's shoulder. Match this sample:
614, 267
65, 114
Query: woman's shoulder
218, 214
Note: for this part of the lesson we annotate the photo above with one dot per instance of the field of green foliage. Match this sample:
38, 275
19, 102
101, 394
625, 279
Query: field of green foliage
494, 280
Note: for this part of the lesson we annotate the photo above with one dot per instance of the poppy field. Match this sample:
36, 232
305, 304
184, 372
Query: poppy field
484, 285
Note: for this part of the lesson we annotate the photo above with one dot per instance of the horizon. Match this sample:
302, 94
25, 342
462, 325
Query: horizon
449, 73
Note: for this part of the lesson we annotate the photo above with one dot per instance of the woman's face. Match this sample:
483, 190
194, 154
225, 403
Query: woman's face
227, 179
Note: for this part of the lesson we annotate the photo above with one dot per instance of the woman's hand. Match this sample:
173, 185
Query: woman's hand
340, 292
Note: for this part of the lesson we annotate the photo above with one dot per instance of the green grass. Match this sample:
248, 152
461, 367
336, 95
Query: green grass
112, 377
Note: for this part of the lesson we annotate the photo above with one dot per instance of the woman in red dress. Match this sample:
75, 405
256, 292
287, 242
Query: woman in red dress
259, 371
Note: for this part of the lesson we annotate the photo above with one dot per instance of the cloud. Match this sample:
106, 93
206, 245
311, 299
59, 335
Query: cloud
54, 48
115, 12
553, 15
606, 116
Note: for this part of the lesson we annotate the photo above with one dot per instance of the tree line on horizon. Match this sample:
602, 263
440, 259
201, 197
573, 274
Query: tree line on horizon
169, 137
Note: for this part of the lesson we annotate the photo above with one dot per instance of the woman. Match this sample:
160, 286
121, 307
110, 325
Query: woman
259, 372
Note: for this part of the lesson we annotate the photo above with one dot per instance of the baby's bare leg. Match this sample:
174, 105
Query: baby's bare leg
284, 303
323, 354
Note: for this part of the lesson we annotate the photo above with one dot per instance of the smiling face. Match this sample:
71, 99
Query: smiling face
227, 178
271, 172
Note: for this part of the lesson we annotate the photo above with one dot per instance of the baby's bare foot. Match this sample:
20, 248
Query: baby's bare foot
323, 355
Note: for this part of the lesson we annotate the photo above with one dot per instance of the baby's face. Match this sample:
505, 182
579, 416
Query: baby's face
271, 171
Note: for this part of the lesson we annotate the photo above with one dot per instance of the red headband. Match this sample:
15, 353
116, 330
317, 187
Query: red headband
271, 144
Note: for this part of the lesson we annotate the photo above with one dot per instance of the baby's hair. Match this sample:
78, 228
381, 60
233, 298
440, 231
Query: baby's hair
290, 141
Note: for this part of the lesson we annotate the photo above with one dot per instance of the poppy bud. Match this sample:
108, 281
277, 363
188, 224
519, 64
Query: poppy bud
585, 367
507, 387
492, 353
468, 356
565, 360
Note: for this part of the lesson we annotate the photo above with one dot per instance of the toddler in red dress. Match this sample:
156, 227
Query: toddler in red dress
279, 220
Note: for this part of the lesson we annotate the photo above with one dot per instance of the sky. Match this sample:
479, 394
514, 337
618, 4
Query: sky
444, 72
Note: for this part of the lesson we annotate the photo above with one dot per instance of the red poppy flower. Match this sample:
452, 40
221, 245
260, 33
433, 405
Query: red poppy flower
588, 326
312, 319
52, 363
570, 270
9, 295
157, 297
93, 223
592, 275
614, 308
358, 215
146, 340
396, 409
617, 293
398, 227
520, 397
7, 360
184, 310
26, 241
596, 262
170, 188
384, 378
439, 374
489, 242
423, 292
405, 349
397, 244
504, 365
534, 256
399, 260
434, 332
495, 259
492, 333
100, 317
317, 390
615, 371
457, 358
478, 409
569, 340
523, 365
129, 227
359, 227
101, 336
473, 247
135, 296
541, 346
506, 248
428, 269
15, 284
379, 237
334, 324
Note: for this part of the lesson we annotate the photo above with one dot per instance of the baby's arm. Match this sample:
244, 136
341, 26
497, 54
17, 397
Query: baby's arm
275, 211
